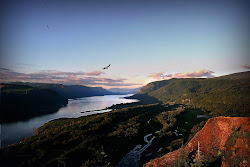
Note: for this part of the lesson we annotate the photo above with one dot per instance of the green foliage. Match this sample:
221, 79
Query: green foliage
96, 140
99, 140
128, 128
19, 102
99, 159
182, 161
167, 119
62, 161
197, 163
183, 120
102, 140
228, 152
73, 91
176, 143
219, 96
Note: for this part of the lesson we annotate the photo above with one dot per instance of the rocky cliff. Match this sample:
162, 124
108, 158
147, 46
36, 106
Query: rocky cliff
224, 137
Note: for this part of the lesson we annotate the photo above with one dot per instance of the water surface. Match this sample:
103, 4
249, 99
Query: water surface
12, 132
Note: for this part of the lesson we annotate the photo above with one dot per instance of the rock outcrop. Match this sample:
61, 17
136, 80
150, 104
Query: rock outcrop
227, 135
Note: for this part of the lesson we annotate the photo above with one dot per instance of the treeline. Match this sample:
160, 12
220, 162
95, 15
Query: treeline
71, 91
177, 123
100, 140
19, 102
95, 140
219, 96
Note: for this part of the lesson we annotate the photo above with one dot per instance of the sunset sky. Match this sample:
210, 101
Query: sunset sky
70, 41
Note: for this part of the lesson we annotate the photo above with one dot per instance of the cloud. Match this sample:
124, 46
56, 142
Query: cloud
51, 76
156, 76
245, 66
195, 74
95, 73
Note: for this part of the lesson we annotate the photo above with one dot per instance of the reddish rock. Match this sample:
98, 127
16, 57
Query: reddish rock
214, 136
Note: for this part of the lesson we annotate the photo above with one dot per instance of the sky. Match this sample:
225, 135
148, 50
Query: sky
71, 41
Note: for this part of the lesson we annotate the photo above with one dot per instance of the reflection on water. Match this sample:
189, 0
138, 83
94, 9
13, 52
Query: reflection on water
12, 132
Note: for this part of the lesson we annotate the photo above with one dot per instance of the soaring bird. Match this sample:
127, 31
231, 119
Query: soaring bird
47, 26
107, 67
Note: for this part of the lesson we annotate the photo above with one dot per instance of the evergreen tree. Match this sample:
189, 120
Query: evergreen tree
198, 160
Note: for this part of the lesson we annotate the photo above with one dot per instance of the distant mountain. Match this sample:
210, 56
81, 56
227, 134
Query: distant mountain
125, 91
222, 96
19, 102
73, 91
221, 142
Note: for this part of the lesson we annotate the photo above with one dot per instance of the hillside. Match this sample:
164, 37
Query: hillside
124, 91
79, 140
99, 140
73, 91
223, 139
19, 102
219, 96
173, 121
240, 75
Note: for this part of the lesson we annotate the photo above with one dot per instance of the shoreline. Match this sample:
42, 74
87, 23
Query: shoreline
13, 131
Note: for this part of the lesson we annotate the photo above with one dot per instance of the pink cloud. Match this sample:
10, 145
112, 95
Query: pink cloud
156, 76
195, 74
95, 73
69, 78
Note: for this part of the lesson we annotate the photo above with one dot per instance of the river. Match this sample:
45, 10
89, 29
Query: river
132, 158
12, 132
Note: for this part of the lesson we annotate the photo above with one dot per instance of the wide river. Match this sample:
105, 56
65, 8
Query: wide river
12, 132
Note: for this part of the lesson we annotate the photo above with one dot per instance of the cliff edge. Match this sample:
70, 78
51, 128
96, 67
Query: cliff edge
224, 137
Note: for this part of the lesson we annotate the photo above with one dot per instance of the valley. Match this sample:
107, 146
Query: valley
116, 137
124, 83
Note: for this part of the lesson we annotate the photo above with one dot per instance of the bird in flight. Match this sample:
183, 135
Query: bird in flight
107, 67
47, 26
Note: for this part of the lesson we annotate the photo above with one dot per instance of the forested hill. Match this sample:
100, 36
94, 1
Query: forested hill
19, 102
240, 75
222, 96
72, 91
